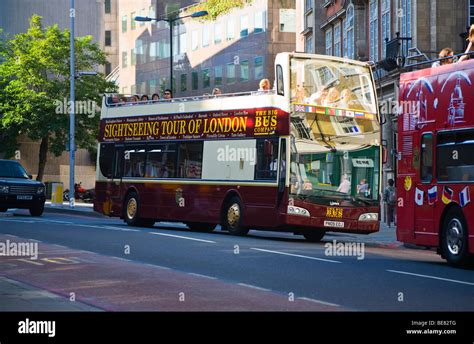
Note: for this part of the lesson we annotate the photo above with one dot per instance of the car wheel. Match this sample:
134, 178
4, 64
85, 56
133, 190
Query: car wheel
232, 217
2, 210
37, 209
314, 235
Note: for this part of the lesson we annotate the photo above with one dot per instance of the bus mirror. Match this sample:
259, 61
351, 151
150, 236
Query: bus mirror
384, 155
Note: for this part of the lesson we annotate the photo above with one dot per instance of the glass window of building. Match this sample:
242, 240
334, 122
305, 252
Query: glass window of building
195, 40
153, 51
218, 75
108, 38
133, 23
108, 68
124, 59
133, 57
151, 12
206, 34
405, 18
182, 44
373, 30
230, 29
244, 26
184, 83
471, 12
329, 41
309, 44
259, 22
152, 86
337, 39
258, 67
244, 70
230, 73
195, 80
206, 78
139, 51
385, 24
349, 33
133, 89
108, 6
124, 23
217, 33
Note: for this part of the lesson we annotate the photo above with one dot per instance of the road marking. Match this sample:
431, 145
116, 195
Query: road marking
203, 276
253, 287
11, 236
319, 301
157, 266
120, 229
122, 259
296, 255
19, 221
34, 240
432, 277
183, 237
29, 261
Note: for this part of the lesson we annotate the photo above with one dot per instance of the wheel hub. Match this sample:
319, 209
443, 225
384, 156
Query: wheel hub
131, 208
454, 236
233, 214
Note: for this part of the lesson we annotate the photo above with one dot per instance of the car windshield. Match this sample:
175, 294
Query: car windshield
12, 169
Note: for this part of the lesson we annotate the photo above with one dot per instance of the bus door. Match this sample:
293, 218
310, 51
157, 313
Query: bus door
114, 186
426, 194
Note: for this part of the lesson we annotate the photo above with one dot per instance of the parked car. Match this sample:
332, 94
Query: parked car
18, 190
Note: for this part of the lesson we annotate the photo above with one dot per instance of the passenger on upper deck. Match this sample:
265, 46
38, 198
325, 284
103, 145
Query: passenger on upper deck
319, 98
216, 91
144, 98
332, 98
470, 38
264, 85
155, 97
167, 94
446, 52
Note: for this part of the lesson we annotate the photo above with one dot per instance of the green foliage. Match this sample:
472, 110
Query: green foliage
34, 78
216, 7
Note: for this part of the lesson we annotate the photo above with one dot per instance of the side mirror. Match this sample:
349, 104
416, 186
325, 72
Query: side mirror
30, 176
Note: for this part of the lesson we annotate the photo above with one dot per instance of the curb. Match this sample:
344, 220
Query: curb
74, 212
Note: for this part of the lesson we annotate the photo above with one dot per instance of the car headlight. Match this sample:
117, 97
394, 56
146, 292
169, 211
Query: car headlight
4, 189
369, 217
292, 210
40, 190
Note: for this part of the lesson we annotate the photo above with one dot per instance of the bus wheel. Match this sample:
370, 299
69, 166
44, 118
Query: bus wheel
233, 217
454, 246
314, 235
131, 210
201, 227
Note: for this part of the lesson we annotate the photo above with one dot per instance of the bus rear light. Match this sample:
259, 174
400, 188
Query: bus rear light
369, 217
292, 210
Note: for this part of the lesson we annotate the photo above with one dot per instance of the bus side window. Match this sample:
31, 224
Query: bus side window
280, 83
106, 159
118, 162
267, 159
426, 171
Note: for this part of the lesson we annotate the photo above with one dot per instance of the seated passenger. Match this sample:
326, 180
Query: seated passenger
155, 97
168, 94
469, 47
442, 54
264, 85
319, 98
346, 99
216, 91
144, 98
332, 98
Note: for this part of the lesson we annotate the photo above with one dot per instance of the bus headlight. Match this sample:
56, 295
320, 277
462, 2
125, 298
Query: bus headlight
369, 217
292, 210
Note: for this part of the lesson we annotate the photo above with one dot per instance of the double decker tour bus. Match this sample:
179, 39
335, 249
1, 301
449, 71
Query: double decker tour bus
436, 160
303, 158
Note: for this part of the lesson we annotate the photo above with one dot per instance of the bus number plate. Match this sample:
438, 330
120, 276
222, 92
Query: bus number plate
334, 224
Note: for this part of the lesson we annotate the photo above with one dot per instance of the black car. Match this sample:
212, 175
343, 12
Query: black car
18, 190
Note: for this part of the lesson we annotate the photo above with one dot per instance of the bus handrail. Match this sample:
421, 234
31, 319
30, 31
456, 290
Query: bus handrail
454, 57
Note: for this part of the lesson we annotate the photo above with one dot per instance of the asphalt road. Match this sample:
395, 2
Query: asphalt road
128, 267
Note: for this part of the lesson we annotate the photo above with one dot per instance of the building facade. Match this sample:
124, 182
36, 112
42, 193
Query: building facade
368, 30
233, 52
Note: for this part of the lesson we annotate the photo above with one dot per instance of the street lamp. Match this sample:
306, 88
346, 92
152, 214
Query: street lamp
72, 15
170, 22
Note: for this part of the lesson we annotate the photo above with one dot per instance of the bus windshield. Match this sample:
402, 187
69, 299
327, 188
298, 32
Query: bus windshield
334, 123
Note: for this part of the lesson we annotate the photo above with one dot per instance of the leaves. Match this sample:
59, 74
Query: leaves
34, 79
216, 7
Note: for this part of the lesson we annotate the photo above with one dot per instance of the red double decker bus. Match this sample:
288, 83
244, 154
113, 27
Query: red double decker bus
436, 160
303, 158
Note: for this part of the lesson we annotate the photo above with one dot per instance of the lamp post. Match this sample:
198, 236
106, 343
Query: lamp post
170, 22
72, 15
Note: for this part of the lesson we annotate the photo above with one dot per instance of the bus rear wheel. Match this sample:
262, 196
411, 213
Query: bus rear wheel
201, 227
314, 235
232, 217
454, 243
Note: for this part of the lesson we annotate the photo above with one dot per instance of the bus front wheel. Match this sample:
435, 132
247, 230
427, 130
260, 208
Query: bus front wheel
131, 210
232, 217
314, 235
454, 244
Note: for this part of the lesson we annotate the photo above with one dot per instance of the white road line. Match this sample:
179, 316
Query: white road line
120, 229
432, 277
122, 259
296, 255
157, 266
319, 301
60, 246
34, 240
183, 237
19, 221
12, 236
203, 276
253, 287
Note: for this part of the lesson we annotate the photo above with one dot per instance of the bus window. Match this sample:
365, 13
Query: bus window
134, 161
106, 159
160, 161
454, 158
190, 160
280, 84
266, 166
426, 174
118, 161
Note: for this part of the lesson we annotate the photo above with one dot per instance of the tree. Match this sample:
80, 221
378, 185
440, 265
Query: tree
34, 85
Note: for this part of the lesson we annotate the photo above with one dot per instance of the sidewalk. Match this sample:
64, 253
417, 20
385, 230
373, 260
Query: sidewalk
79, 209
20, 297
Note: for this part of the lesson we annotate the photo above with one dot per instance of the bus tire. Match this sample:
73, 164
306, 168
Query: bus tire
131, 211
454, 239
314, 235
232, 217
201, 227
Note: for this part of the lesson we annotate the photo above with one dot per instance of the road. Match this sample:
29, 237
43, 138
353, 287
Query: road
108, 265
